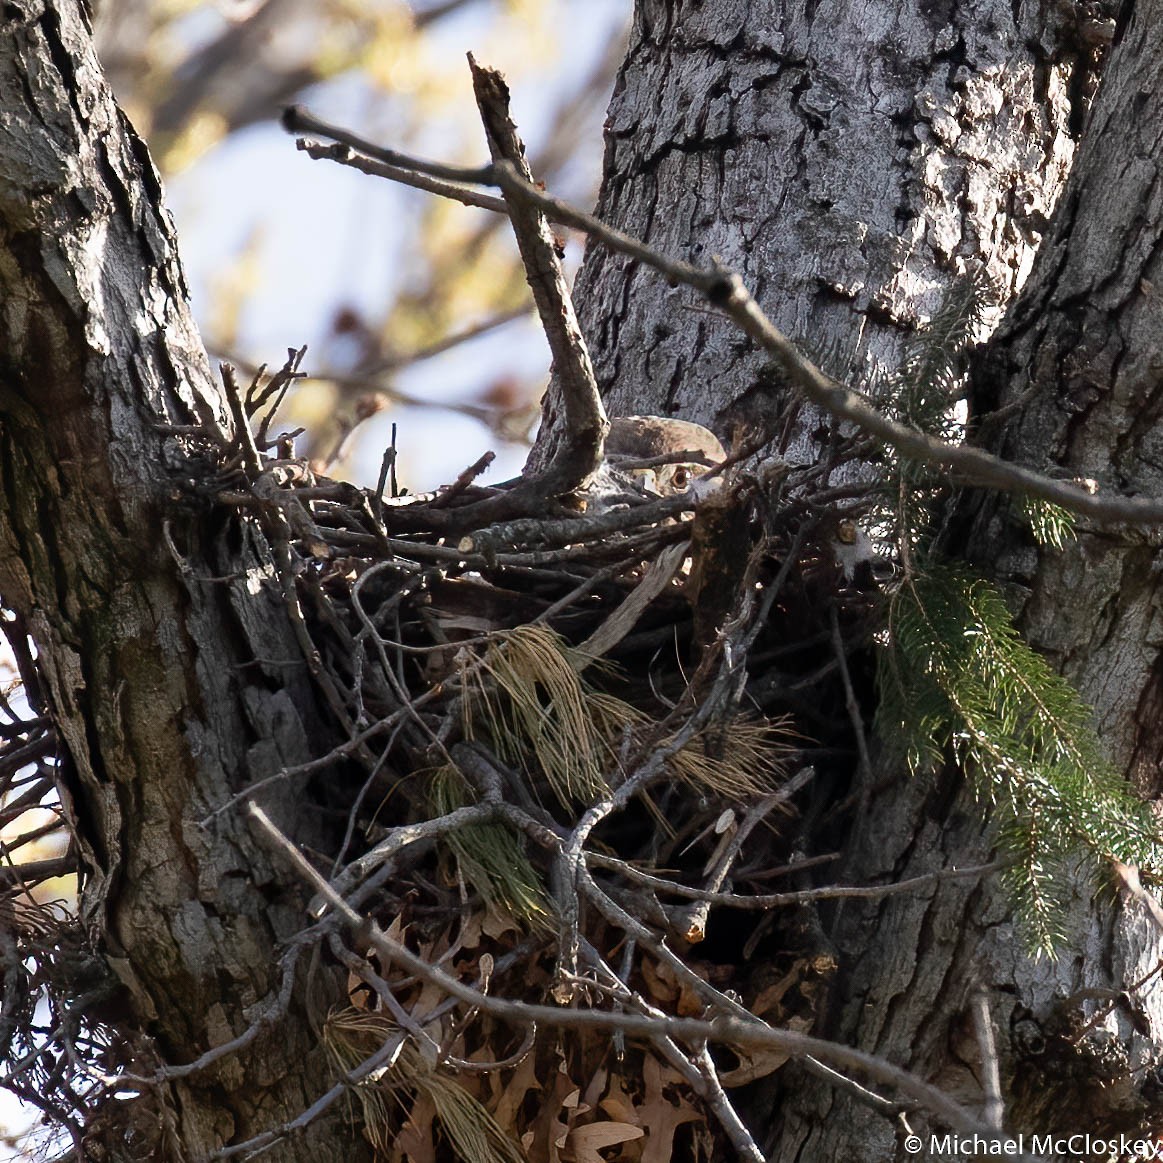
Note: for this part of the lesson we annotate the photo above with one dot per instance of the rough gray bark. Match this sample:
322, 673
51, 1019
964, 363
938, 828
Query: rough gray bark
153, 666
848, 158
1081, 355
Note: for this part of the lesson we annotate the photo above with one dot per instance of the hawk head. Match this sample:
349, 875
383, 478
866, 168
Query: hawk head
641, 438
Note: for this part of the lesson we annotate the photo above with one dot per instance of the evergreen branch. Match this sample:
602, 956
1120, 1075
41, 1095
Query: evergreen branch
955, 673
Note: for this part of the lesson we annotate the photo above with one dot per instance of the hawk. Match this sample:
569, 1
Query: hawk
633, 439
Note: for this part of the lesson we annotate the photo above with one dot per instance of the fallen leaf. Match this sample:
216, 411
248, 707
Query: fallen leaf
659, 1115
416, 1140
759, 1063
498, 922
596, 1088
585, 1142
551, 1125
513, 1097
618, 1104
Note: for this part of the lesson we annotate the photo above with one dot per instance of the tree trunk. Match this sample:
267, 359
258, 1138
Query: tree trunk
1081, 350
849, 159
173, 675
846, 158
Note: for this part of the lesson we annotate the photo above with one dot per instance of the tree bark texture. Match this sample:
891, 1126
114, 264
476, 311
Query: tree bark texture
849, 158
1081, 354
174, 677
846, 158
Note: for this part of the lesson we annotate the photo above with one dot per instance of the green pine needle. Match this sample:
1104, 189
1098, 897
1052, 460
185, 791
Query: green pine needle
956, 676
492, 856
1050, 524
957, 680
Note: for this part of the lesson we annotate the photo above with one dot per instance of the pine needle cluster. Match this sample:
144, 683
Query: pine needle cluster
528, 697
957, 680
492, 856
1050, 524
534, 701
385, 1096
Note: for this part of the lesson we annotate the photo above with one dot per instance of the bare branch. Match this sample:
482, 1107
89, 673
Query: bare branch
579, 455
798, 897
717, 1100
725, 290
852, 706
296, 119
343, 155
35, 871
369, 1066
691, 920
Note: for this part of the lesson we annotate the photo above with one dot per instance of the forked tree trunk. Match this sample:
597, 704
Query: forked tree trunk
172, 684
846, 159
849, 159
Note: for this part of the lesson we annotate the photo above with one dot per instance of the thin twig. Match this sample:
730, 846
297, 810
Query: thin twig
850, 1086
852, 706
691, 920
386, 464
716, 1098
397, 839
243, 437
798, 897
296, 119
465, 479
352, 1078
345, 750
994, 1111
342, 155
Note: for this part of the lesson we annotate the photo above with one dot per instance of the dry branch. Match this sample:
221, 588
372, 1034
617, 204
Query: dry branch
577, 458
724, 290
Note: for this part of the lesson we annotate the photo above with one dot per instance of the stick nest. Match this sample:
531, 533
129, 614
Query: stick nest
568, 738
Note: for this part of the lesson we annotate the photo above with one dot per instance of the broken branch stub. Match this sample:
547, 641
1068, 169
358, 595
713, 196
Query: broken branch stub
573, 385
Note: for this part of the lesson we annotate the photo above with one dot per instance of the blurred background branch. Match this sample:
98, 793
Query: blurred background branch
414, 312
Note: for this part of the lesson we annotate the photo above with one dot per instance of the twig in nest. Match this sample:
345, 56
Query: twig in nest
716, 1098
570, 530
243, 443
691, 920
745, 1030
462, 482
280, 383
766, 901
725, 290
387, 465
852, 706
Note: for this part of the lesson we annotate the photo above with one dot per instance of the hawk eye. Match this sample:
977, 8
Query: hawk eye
681, 477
